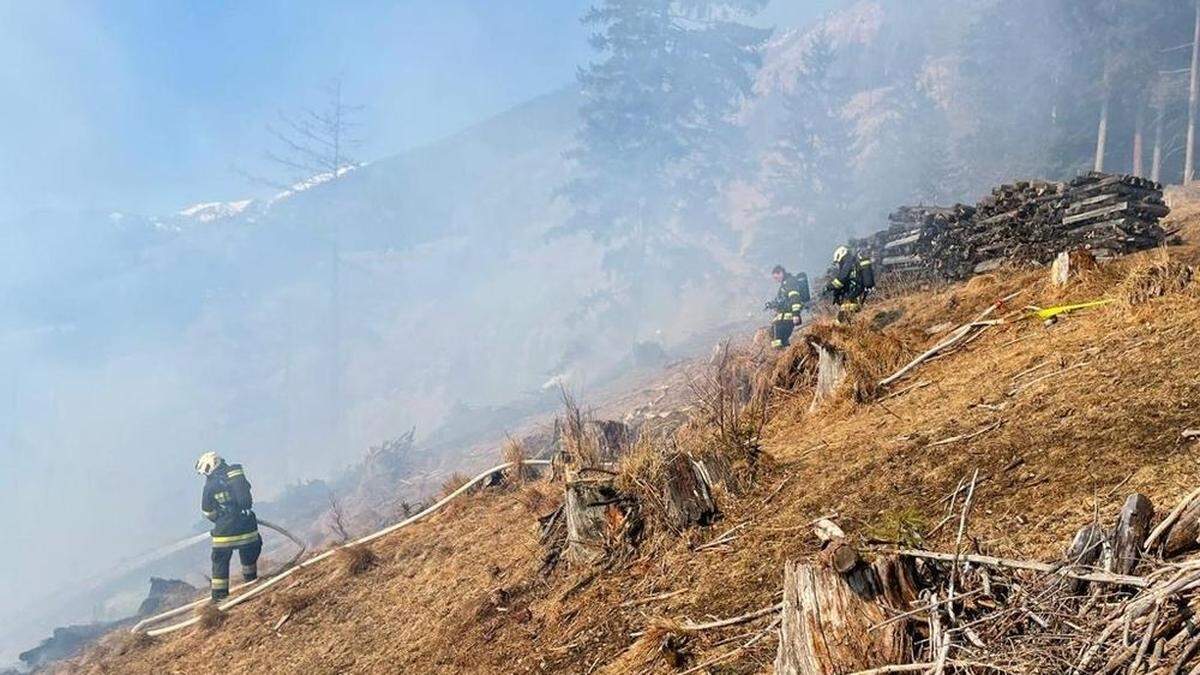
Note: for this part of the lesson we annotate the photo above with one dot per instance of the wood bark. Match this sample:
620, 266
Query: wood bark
1085, 550
825, 626
831, 372
1189, 161
1133, 524
1181, 538
586, 508
688, 493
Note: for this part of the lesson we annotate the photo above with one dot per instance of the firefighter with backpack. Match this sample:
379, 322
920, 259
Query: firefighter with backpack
853, 277
793, 295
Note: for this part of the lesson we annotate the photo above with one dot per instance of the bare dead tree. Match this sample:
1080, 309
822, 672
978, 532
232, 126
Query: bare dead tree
338, 519
312, 146
316, 144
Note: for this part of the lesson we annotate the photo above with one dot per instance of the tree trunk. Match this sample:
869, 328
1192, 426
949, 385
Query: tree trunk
825, 626
1102, 134
1189, 161
1156, 159
1133, 524
1138, 150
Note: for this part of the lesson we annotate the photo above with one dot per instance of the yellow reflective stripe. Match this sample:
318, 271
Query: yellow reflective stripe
797, 308
837, 283
788, 315
791, 293
220, 583
779, 317
235, 472
208, 513
864, 263
235, 539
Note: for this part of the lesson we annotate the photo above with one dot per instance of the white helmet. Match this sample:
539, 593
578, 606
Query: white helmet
839, 254
208, 463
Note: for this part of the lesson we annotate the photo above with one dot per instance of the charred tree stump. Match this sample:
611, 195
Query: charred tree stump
898, 581
825, 626
1133, 524
688, 493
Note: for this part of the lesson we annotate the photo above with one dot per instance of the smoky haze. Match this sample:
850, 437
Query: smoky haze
502, 233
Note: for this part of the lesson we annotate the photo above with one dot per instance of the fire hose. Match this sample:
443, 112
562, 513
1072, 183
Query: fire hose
255, 587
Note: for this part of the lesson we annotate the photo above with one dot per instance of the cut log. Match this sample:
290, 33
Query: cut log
1133, 524
688, 493
825, 626
1069, 264
1181, 538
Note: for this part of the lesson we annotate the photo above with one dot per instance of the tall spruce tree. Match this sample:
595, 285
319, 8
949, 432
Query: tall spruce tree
658, 139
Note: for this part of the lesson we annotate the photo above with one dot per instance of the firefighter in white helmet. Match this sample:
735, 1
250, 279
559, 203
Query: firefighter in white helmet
227, 502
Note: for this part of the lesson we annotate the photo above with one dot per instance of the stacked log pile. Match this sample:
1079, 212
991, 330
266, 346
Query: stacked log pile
1021, 223
1114, 214
910, 246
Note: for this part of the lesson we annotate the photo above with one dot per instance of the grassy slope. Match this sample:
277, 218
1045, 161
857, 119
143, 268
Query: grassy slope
461, 593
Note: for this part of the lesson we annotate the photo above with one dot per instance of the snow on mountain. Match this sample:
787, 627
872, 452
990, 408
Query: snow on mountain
207, 212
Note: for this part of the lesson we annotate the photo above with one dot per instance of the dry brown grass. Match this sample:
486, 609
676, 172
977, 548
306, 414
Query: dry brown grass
355, 560
1153, 276
452, 483
514, 453
298, 600
210, 617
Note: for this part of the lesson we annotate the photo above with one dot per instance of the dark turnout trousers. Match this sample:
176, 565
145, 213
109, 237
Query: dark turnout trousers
221, 557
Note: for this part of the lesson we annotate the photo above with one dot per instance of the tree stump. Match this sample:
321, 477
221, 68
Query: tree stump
585, 507
1085, 549
1133, 524
688, 493
824, 626
831, 372
897, 580
612, 439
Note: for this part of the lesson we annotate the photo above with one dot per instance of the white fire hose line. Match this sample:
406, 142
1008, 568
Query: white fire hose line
259, 588
192, 605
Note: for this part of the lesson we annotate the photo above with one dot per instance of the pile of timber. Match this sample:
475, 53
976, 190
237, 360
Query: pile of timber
1015, 223
1122, 599
1113, 215
1020, 223
909, 247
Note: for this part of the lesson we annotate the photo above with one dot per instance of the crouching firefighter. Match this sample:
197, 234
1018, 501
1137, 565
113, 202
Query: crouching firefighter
227, 503
853, 277
788, 303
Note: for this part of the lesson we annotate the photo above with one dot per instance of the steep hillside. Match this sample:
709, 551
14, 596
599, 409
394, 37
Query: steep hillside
1060, 421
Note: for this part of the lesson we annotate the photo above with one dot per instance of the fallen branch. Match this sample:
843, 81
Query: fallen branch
1045, 568
966, 437
749, 616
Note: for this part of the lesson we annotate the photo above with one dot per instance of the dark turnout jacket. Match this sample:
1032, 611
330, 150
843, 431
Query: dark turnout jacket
227, 502
793, 293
